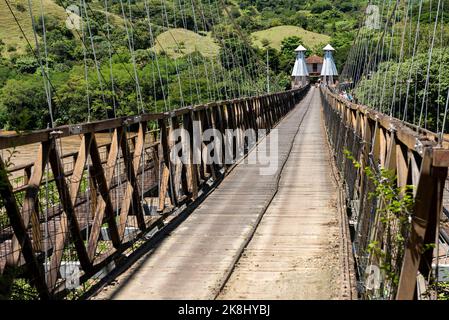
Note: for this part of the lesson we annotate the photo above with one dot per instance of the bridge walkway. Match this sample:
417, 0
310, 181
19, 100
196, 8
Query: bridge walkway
294, 253
255, 236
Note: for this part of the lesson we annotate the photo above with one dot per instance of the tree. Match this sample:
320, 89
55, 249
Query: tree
26, 64
24, 102
236, 63
273, 58
346, 6
287, 57
6, 72
391, 74
289, 44
234, 12
231, 54
321, 6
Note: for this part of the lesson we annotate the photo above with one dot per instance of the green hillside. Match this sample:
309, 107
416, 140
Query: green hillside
179, 42
10, 32
217, 30
275, 35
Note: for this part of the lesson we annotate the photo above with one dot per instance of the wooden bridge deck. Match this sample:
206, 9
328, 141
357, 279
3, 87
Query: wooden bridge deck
295, 249
294, 253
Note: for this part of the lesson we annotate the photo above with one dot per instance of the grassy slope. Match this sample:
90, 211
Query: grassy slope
10, 32
276, 34
188, 41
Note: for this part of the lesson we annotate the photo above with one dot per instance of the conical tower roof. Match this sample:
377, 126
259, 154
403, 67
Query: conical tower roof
300, 48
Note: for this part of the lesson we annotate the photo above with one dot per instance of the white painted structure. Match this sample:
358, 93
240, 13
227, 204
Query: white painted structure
329, 71
300, 72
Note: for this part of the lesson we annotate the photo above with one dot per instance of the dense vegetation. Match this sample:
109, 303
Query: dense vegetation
393, 100
156, 80
410, 80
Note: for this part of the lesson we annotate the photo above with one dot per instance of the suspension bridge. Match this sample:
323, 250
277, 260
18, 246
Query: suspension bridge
307, 193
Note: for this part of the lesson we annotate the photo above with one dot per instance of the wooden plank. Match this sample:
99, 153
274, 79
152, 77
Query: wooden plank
231, 125
73, 226
62, 229
353, 120
375, 150
117, 136
176, 171
132, 199
402, 166
156, 161
364, 160
413, 251
166, 163
382, 146
216, 123
40, 136
269, 110
435, 209
192, 179
224, 126
58, 250
414, 168
93, 195
163, 187
440, 157
253, 117
264, 114
104, 190
20, 231
205, 125
30, 200
139, 152
363, 126
390, 161
35, 223
196, 149
78, 169
36, 228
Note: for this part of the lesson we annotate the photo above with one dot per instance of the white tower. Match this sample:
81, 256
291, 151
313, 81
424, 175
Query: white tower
300, 73
329, 70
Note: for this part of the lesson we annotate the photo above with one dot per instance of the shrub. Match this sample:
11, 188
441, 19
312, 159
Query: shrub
321, 6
